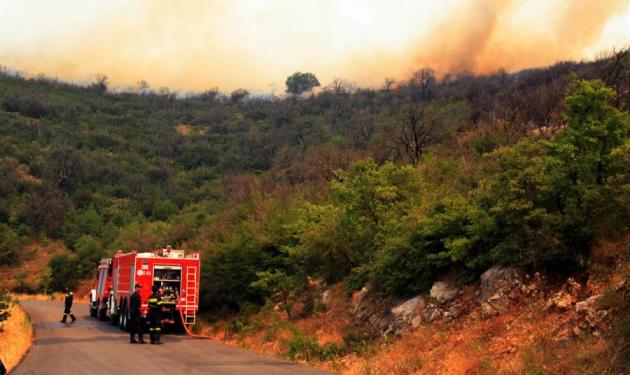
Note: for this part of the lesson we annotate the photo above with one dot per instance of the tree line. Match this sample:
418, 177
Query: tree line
392, 187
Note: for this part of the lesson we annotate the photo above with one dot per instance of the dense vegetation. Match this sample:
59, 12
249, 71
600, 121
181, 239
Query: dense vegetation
394, 187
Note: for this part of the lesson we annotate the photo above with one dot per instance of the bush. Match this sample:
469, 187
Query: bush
5, 305
64, 272
30, 107
304, 347
88, 254
10, 244
163, 209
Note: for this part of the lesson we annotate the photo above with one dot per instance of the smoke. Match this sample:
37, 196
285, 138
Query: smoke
515, 35
256, 44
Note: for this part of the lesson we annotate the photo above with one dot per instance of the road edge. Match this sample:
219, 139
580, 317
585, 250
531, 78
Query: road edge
25, 328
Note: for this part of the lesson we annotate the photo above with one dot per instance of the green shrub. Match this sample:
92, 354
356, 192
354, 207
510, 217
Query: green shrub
10, 244
304, 347
64, 272
5, 305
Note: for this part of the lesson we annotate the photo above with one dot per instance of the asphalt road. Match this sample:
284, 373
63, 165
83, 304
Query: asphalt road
92, 347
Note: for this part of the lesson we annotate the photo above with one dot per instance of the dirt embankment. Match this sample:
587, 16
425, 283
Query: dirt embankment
35, 258
16, 338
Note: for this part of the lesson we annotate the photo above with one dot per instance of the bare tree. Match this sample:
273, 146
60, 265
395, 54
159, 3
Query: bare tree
100, 82
422, 85
339, 86
617, 76
67, 166
389, 84
143, 87
412, 133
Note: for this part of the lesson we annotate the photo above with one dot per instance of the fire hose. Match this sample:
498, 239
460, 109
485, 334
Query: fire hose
188, 332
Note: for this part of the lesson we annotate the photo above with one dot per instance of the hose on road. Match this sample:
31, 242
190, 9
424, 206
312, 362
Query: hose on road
188, 332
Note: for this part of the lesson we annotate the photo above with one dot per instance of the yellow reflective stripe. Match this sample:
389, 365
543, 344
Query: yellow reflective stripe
151, 329
152, 299
70, 293
159, 303
158, 329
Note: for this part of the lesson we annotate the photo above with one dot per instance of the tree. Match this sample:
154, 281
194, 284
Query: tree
550, 198
422, 85
89, 252
163, 209
10, 244
64, 272
44, 279
389, 84
143, 87
298, 83
100, 82
68, 166
45, 209
366, 203
339, 86
278, 285
413, 132
238, 95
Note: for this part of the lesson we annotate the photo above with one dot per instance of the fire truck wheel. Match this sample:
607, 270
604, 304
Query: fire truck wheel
127, 326
102, 314
123, 315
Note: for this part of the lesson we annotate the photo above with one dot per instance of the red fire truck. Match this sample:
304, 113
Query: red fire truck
173, 271
100, 293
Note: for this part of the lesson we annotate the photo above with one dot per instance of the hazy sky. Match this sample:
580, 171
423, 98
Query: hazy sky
256, 44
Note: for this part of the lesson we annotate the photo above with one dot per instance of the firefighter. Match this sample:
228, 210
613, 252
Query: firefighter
68, 306
155, 315
135, 301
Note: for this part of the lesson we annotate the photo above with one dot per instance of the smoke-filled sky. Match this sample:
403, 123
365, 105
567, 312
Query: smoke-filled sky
256, 44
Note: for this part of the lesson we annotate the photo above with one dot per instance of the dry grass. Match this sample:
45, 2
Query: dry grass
38, 297
35, 258
183, 129
16, 338
47, 297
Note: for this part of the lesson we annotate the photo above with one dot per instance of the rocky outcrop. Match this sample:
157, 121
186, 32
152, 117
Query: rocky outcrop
588, 314
443, 292
591, 314
326, 297
374, 312
446, 303
405, 312
499, 287
564, 299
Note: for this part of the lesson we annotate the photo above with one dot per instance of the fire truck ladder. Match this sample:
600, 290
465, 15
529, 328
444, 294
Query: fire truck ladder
190, 307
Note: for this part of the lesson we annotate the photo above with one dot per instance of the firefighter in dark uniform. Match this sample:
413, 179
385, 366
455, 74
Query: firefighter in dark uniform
135, 316
67, 306
155, 315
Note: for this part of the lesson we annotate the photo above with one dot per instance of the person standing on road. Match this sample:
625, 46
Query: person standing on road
68, 305
135, 301
155, 315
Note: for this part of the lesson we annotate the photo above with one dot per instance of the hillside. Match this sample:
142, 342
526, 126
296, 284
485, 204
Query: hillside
388, 190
